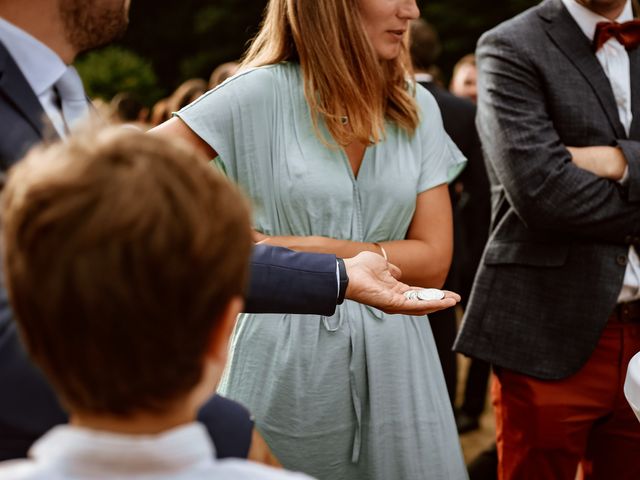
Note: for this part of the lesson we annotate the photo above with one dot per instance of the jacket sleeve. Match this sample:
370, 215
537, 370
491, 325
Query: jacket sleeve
230, 426
546, 189
284, 281
631, 151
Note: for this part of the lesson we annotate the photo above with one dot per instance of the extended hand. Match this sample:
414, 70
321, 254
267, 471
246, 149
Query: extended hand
373, 281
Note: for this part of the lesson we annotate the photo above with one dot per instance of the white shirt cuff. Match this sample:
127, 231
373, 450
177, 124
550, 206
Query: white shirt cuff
625, 176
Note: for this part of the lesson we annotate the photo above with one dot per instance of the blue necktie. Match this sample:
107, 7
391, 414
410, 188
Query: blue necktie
72, 97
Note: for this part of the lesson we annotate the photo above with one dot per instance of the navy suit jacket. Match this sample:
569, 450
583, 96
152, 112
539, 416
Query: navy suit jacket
23, 122
281, 281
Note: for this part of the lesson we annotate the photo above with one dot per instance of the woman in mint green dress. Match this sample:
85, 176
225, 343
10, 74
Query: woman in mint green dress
339, 153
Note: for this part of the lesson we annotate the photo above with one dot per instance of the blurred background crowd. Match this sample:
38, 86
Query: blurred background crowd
168, 55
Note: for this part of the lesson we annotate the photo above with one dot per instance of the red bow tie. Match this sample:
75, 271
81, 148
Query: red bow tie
627, 33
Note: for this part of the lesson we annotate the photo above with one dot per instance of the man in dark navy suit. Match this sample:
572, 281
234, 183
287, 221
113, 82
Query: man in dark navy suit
41, 97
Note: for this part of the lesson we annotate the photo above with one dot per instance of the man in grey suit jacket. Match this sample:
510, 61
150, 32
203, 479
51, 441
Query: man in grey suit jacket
555, 302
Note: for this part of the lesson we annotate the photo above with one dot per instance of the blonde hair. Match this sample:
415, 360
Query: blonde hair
341, 71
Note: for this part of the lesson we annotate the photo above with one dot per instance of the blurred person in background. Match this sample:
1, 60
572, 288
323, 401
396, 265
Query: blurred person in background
101, 107
339, 154
463, 80
159, 112
222, 72
469, 198
187, 92
437, 77
126, 108
463, 84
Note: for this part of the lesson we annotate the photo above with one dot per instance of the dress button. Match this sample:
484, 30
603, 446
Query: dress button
621, 260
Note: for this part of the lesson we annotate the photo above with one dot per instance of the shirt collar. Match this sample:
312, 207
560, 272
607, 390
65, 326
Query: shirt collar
40, 65
84, 450
587, 20
423, 77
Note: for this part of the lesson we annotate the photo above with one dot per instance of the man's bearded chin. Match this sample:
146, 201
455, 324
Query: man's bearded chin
92, 24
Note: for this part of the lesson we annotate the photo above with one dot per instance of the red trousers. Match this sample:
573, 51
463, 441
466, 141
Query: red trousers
545, 429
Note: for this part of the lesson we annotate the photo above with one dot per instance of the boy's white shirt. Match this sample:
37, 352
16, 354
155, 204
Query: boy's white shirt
186, 452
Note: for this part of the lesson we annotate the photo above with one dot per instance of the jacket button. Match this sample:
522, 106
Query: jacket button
621, 260
629, 239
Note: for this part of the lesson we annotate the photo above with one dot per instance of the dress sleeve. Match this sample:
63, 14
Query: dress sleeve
234, 118
441, 159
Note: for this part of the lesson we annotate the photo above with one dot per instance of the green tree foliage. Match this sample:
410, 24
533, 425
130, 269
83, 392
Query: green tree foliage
115, 69
189, 38
460, 23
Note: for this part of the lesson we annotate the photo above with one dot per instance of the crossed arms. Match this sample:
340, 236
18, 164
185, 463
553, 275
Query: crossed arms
551, 186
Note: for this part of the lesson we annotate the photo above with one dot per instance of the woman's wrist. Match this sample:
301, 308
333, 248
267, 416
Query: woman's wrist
381, 250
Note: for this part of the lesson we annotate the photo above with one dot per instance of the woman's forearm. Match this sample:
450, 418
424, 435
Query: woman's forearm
421, 264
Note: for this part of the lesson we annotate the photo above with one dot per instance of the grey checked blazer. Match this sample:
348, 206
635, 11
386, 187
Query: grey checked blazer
555, 260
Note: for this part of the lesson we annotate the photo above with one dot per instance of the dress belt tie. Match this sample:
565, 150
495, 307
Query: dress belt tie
333, 324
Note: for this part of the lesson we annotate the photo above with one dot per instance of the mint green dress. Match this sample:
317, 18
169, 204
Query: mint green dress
360, 394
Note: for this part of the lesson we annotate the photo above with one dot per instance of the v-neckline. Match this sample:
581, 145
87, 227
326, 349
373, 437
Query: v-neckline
355, 172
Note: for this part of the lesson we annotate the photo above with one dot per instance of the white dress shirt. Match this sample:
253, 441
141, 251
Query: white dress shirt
423, 77
615, 62
40, 65
184, 453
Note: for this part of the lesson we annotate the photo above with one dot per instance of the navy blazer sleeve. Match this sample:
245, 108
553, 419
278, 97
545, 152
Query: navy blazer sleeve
281, 281
230, 426
284, 281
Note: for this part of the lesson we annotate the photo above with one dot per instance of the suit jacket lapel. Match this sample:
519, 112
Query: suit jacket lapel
566, 34
634, 68
14, 86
